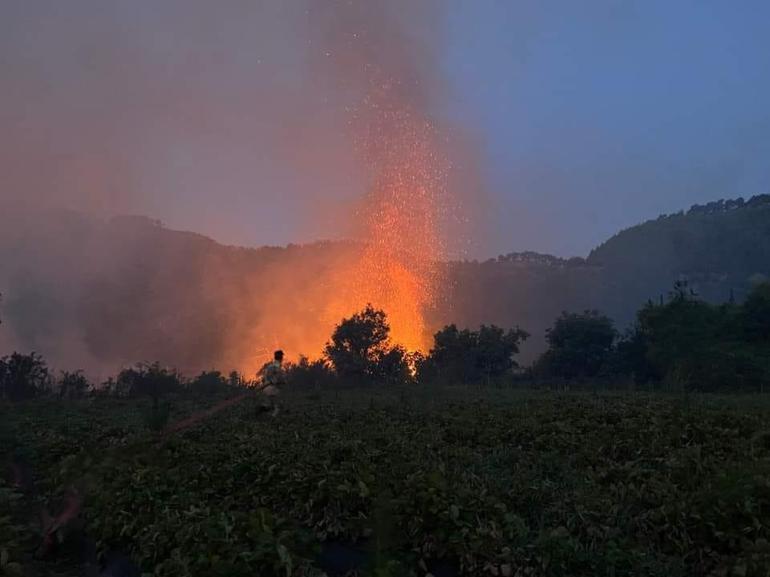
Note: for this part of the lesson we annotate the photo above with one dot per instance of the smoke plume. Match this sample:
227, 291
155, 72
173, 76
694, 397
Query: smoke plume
252, 123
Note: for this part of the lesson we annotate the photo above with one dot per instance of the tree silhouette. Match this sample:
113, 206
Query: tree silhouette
73, 385
22, 376
465, 356
360, 348
580, 345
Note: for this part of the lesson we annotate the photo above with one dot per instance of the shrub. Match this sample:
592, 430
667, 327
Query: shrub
148, 380
465, 356
209, 382
307, 374
73, 385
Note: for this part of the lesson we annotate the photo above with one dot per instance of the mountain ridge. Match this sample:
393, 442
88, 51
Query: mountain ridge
127, 289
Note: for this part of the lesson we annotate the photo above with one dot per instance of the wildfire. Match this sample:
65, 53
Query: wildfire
398, 270
396, 267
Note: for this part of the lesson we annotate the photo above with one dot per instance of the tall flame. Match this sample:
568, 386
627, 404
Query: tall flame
397, 267
398, 270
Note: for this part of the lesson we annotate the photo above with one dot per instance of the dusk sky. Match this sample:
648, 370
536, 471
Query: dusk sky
573, 119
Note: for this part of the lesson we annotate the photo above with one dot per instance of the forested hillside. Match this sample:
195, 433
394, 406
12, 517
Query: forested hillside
90, 293
721, 249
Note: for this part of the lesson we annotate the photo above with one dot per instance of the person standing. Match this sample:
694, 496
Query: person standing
272, 377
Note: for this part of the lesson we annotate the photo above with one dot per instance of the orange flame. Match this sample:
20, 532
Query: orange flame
398, 270
398, 267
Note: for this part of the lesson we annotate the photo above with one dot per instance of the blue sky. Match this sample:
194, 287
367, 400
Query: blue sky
596, 115
583, 117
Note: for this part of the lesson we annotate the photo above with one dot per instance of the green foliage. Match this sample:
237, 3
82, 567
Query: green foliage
23, 376
537, 484
465, 356
16, 537
694, 345
580, 346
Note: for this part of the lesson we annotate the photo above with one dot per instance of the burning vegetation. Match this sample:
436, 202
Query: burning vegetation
398, 268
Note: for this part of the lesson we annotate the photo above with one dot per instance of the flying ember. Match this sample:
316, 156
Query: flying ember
398, 270
395, 264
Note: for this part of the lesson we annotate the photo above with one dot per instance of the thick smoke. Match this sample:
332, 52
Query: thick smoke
257, 123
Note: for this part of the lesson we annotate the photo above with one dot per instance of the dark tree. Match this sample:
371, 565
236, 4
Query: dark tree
358, 343
630, 358
465, 356
756, 314
23, 376
579, 345
495, 350
208, 382
453, 357
360, 349
73, 385
235, 379
152, 380
307, 374
693, 345
394, 366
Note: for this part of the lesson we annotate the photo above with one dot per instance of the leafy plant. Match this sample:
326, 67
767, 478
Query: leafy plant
472, 483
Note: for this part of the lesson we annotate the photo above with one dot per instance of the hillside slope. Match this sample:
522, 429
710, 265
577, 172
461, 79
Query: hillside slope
96, 294
721, 249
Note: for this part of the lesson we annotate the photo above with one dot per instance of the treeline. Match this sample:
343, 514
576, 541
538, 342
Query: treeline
680, 343
360, 352
28, 376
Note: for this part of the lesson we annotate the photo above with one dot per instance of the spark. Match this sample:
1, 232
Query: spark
401, 223
398, 270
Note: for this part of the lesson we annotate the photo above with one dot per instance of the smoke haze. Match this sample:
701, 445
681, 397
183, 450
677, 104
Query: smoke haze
294, 121
512, 126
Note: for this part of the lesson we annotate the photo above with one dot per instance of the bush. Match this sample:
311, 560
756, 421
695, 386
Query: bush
307, 374
73, 385
471, 357
148, 380
209, 383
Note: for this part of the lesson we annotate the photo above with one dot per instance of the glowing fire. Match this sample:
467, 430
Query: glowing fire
397, 268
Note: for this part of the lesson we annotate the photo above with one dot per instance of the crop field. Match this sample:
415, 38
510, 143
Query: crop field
454, 482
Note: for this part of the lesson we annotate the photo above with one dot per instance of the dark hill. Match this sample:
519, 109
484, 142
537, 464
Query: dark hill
721, 248
86, 292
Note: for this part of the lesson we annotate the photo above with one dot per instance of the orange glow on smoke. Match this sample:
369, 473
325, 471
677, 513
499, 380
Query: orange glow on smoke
398, 270
397, 266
